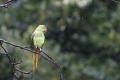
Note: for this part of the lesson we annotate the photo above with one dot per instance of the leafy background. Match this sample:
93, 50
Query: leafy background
83, 36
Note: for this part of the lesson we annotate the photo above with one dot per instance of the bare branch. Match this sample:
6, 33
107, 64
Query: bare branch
42, 54
116, 1
13, 63
19, 70
6, 4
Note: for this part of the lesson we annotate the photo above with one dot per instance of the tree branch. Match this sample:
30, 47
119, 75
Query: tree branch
116, 1
42, 54
6, 4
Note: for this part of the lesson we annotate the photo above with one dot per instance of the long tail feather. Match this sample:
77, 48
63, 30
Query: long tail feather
35, 61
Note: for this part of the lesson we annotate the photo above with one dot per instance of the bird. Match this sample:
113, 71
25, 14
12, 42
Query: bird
37, 42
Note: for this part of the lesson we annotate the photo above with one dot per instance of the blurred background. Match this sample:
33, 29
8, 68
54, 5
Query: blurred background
83, 37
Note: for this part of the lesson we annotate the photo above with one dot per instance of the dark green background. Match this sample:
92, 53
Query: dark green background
83, 38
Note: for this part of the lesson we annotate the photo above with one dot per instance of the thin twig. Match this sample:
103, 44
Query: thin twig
116, 1
55, 63
12, 61
6, 4
18, 69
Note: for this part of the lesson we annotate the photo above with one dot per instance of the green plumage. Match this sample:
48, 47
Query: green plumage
38, 39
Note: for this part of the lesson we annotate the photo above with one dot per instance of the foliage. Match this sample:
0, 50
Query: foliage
83, 39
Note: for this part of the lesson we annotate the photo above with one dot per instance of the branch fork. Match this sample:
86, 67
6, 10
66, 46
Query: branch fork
13, 63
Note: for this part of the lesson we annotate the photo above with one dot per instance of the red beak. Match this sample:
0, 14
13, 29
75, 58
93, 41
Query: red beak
45, 30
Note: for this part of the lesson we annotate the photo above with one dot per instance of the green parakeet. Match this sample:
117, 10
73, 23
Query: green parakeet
38, 39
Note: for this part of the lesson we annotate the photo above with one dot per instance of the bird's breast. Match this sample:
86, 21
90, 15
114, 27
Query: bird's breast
39, 39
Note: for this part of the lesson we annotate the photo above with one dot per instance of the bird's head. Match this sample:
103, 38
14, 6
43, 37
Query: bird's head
42, 28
